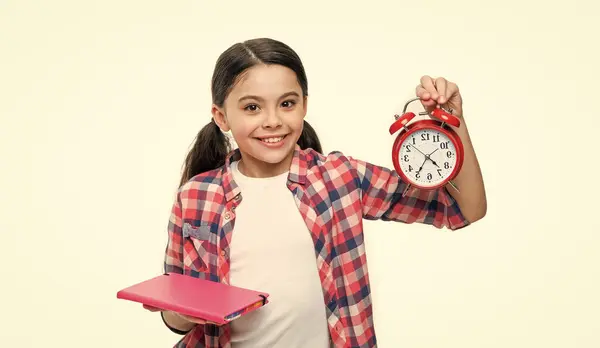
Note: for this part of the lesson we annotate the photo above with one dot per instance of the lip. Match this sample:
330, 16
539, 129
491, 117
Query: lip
272, 145
272, 136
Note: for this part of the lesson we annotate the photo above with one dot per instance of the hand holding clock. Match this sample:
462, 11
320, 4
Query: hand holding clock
455, 164
439, 91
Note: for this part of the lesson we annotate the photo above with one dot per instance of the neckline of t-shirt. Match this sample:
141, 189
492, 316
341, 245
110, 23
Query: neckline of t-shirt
240, 175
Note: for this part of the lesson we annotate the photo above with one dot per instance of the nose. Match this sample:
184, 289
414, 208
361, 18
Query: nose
272, 119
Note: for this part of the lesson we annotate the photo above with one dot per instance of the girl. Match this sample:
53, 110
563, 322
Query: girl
278, 215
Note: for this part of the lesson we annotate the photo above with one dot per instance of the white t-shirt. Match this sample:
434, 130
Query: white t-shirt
272, 251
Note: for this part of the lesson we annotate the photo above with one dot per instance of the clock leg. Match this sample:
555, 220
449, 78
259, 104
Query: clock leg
406, 190
453, 185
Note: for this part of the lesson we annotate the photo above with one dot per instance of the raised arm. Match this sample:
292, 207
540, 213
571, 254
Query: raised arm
382, 188
382, 199
471, 196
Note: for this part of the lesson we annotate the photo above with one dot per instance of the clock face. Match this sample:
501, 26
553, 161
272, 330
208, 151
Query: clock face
427, 157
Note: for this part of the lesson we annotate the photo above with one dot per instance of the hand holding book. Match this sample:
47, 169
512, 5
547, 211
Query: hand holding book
184, 317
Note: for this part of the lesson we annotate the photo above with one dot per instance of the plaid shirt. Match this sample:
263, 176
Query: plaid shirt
334, 193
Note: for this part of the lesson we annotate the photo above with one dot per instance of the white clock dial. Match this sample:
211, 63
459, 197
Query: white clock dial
427, 157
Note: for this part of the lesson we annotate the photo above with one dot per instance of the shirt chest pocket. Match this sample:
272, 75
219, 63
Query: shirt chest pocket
198, 242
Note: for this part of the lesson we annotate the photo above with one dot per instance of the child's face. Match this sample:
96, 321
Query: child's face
265, 113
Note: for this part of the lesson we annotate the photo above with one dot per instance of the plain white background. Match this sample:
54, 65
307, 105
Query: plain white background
99, 101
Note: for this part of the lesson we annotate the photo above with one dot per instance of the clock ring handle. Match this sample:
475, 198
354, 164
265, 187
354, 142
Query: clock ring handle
410, 101
422, 113
441, 114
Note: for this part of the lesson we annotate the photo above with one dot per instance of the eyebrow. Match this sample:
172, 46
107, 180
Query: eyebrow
285, 95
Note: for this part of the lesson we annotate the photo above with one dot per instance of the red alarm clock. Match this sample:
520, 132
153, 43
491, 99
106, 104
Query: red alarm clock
427, 153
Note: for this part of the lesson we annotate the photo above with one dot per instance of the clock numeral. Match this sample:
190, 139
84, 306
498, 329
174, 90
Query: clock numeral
449, 154
417, 175
439, 172
436, 138
410, 168
446, 165
424, 136
444, 145
407, 148
414, 141
405, 158
429, 176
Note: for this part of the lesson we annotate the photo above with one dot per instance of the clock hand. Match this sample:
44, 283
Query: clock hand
429, 158
426, 158
421, 167
414, 147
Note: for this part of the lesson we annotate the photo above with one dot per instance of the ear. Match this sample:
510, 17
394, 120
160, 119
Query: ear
219, 117
305, 105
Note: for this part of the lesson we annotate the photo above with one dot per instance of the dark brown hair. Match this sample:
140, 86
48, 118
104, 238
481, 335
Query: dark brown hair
212, 145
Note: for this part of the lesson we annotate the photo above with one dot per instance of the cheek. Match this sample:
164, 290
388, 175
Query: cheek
242, 130
296, 123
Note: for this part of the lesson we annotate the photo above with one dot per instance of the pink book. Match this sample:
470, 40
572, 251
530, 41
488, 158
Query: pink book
208, 300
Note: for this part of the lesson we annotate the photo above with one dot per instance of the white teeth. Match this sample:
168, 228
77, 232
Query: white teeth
272, 140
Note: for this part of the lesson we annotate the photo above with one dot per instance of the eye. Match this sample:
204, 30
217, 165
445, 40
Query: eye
288, 103
251, 108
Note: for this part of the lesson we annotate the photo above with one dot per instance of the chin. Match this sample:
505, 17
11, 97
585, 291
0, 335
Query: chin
272, 158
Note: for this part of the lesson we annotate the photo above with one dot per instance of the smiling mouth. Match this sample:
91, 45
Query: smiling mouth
272, 140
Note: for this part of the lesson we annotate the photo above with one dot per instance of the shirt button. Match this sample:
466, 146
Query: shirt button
223, 253
238, 197
227, 215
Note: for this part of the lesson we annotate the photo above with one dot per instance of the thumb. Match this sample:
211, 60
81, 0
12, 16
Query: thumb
429, 105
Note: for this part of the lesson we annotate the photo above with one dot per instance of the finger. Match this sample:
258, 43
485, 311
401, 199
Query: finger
422, 93
429, 104
194, 319
151, 309
451, 90
425, 98
202, 321
198, 321
440, 85
428, 84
